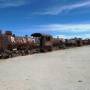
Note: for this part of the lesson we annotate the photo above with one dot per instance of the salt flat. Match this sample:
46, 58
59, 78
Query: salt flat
58, 70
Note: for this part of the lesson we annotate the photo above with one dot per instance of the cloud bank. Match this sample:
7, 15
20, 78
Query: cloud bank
12, 3
65, 27
65, 30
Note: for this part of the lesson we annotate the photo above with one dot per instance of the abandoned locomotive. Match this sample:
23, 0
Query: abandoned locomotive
11, 45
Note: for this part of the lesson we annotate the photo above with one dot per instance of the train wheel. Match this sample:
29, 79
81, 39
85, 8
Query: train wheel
4, 56
23, 53
10, 55
29, 52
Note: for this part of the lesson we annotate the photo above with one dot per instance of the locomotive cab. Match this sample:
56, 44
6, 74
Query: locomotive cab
45, 41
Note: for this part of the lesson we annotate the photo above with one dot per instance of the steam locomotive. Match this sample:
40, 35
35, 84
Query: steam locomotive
11, 45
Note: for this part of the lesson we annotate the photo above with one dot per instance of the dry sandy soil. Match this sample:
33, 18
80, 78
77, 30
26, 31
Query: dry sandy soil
58, 70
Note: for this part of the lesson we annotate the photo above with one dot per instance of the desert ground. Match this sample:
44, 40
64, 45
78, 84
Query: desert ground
67, 69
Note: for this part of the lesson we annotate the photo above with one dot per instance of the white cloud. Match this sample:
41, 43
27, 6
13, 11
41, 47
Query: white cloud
65, 27
59, 9
12, 3
66, 30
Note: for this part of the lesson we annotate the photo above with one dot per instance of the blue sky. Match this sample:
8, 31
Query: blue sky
64, 18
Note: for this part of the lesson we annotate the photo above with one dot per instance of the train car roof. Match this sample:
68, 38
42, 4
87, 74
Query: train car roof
40, 35
36, 34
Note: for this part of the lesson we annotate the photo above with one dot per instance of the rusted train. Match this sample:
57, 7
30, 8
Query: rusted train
11, 45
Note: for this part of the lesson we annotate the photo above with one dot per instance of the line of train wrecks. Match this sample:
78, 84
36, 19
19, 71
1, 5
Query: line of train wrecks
11, 45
